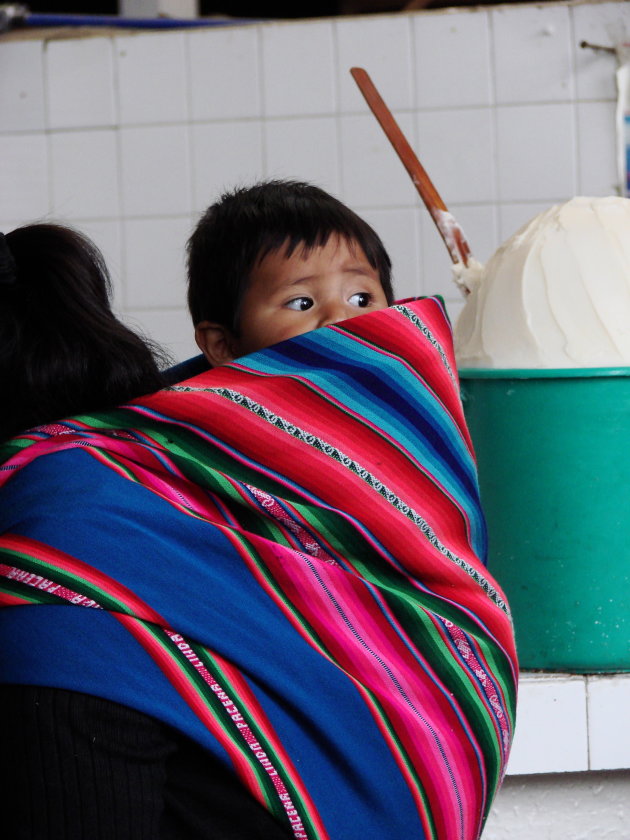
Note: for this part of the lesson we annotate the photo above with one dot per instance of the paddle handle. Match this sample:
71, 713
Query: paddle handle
449, 229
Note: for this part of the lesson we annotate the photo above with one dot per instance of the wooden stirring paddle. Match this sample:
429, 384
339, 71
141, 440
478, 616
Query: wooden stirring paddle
449, 229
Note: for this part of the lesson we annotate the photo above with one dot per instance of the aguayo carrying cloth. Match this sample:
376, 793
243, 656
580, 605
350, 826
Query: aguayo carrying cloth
282, 558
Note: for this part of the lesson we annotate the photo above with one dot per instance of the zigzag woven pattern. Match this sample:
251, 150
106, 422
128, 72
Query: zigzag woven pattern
284, 559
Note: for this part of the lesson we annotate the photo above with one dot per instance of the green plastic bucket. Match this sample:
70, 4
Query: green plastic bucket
553, 453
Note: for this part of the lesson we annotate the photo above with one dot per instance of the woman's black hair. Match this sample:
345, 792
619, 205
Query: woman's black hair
246, 224
62, 349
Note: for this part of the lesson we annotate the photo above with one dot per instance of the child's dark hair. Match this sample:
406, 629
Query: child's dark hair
246, 224
62, 349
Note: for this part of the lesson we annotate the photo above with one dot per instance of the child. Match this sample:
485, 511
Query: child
278, 259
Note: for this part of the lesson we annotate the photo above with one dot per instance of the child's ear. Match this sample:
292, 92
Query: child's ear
215, 342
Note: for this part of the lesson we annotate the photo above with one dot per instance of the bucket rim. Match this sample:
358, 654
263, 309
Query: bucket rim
541, 373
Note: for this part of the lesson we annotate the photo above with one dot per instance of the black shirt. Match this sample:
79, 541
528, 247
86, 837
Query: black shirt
77, 767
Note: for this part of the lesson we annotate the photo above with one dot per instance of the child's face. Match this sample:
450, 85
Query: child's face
288, 296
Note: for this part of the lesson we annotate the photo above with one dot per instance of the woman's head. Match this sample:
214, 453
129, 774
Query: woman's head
62, 349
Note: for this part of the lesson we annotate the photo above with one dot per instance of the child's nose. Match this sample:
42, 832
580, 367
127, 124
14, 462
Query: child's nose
335, 312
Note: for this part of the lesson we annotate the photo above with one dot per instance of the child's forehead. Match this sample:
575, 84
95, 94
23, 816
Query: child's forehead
335, 262
303, 248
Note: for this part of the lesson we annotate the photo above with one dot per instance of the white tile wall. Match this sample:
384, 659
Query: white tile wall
571, 724
530, 165
84, 169
607, 25
400, 231
225, 155
514, 216
298, 68
152, 79
382, 46
154, 262
436, 262
9, 225
225, 78
481, 227
609, 733
306, 149
597, 173
80, 82
371, 172
24, 177
532, 54
441, 81
551, 729
22, 86
507, 113
171, 327
155, 170
457, 149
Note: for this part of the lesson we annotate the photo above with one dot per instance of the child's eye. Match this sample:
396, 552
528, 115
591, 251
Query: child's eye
360, 299
300, 304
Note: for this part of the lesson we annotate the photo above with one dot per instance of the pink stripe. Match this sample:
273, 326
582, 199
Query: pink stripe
43, 584
413, 703
59, 560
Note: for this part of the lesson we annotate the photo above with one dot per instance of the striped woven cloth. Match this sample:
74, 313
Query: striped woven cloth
284, 559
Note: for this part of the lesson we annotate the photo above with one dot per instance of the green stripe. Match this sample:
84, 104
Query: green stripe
222, 717
26, 592
299, 803
46, 569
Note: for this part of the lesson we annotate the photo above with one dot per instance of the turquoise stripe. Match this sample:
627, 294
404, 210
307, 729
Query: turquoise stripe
334, 346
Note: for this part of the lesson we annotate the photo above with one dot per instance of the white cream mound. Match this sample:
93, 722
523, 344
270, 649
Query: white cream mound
554, 295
